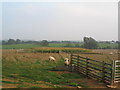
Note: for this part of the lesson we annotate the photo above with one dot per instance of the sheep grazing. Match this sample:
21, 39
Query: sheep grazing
19, 50
111, 53
79, 87
51, 58
67, 61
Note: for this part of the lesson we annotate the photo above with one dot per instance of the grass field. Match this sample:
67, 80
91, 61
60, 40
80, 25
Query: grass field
25, 46
104, 45
34, 70
56, 44
20, 46
103, 55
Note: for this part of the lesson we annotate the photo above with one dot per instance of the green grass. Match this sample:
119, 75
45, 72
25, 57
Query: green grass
22, 86
19, 46
100, 45
35, 87
25, 46
8, 82
36, 72
103, 45
57, 44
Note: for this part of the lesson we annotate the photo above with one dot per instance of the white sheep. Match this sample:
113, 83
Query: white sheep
67, 61
111, 53
19, 50
51, 58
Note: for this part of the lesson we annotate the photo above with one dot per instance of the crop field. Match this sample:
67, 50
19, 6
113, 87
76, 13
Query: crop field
28, 69
57, 50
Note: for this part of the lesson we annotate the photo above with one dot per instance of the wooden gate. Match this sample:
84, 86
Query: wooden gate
116, 72
100, 71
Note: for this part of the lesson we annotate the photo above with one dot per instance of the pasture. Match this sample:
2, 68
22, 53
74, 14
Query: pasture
103, 55
26, 46
34, 69
28, 69
19, 46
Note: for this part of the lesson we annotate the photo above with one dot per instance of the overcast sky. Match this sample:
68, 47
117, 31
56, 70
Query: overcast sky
60, 20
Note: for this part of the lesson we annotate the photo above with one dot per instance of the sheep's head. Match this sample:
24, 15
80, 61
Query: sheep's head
67, 61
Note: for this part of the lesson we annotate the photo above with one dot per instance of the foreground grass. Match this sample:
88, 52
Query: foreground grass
37, 71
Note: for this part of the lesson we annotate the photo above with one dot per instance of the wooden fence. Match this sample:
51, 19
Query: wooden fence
100, 71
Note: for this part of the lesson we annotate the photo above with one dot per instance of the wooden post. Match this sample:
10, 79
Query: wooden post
87, 67
103, 71
78, 63
75, 65
112, 73
71, 59
71, 62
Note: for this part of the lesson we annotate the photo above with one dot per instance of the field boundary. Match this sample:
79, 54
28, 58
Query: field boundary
100, 71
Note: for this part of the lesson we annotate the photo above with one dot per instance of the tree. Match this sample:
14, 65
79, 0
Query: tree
90, 43
44, 43
18, 41
4, 42
11, 41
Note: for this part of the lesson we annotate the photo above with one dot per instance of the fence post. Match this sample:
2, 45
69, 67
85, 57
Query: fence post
103, 71
112, 73
78, 63
87, 67
71, 62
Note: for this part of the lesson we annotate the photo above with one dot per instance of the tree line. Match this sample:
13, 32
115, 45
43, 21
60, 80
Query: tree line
88, 42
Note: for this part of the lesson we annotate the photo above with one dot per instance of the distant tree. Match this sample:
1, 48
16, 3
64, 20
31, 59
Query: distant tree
113, 41
107, 42
11, 41
44, 43
90, 43
18, 41
4, 42
117, 41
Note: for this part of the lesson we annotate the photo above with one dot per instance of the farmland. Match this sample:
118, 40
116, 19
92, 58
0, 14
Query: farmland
103, 55
24, 46
30, 69
19, 46
26, 69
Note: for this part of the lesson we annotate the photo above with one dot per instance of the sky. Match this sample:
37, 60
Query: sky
60, 20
